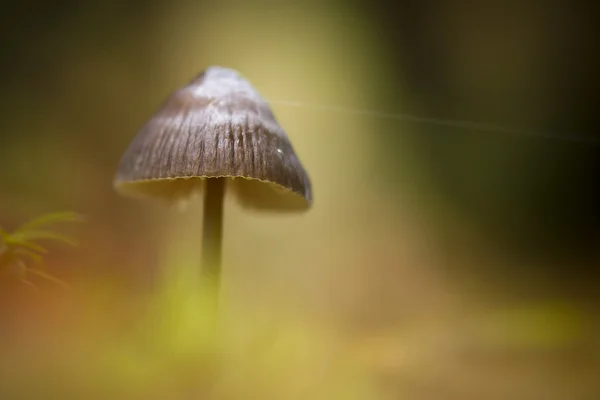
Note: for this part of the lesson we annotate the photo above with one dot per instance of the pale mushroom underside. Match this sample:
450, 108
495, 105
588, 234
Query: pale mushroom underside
250, 193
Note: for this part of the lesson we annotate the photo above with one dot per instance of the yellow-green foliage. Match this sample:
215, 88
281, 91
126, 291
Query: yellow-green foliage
21, 250
272, 355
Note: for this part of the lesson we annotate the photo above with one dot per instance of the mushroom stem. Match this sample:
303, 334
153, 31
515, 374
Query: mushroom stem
212, 237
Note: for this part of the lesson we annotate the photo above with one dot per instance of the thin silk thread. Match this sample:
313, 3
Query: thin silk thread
473, 125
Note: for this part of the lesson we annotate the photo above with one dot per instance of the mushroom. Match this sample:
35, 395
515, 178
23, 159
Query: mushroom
215, 132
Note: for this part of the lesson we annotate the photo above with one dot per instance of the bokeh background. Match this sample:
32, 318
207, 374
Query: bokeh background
437, 263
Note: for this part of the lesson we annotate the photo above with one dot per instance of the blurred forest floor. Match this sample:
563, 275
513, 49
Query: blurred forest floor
381, 291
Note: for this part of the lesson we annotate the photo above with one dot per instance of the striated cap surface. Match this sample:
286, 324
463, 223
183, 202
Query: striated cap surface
217, 126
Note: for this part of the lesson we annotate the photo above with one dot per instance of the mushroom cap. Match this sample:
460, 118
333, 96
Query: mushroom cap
217, 126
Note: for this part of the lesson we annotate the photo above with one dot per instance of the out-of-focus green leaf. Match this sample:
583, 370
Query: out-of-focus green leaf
49, 219
26, 244
22, 243
29, 235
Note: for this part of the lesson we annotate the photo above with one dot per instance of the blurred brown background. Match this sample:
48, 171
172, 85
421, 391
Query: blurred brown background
452, 262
